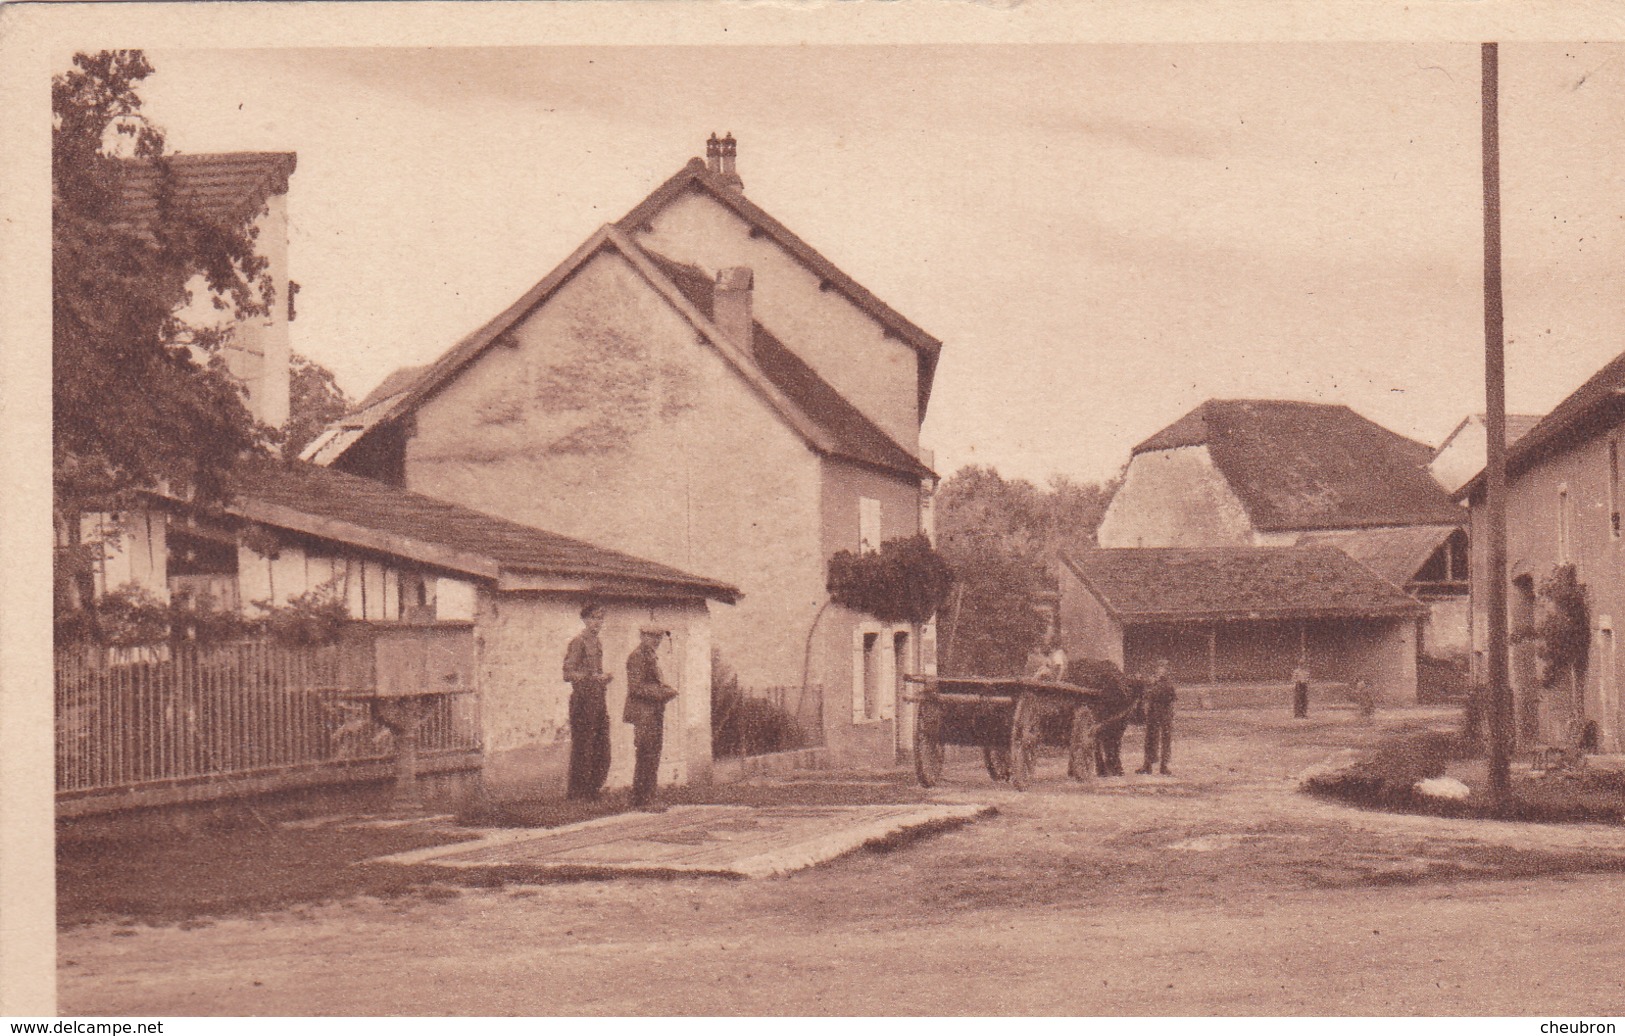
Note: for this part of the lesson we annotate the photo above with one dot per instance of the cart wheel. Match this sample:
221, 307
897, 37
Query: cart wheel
927, 743
1080, 762
998, 762
1024, 735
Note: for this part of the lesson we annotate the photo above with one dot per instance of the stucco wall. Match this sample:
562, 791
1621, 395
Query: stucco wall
607, 420
851, 734
847, 347
520, 641
1385, 654
135, 550
1174, 498
845, 484
1087, 629
1446, 634
258, 353
1533, 551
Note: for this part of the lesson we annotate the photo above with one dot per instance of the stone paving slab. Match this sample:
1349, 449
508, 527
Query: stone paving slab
730, 841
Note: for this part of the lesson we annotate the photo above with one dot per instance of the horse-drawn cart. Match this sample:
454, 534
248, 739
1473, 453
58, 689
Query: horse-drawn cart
1009, 719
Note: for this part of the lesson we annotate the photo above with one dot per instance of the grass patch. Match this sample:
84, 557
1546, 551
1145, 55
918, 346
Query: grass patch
1385, 776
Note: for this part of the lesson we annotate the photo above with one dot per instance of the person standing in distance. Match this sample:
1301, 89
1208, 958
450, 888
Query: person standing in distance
589, 713
646, 698
1159, 719
1300, 690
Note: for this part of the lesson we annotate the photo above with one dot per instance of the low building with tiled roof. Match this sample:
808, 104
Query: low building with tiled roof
697, 385
1565, 506
1274, 472
1241, 617
491, 602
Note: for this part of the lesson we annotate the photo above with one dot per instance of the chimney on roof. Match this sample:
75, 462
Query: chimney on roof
719, 159
730, 305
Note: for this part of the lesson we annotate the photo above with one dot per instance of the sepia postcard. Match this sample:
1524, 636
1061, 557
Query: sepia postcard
874, 509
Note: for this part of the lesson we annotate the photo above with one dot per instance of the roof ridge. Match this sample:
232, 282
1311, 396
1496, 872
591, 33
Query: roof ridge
472, 346
1605, 384
694, 170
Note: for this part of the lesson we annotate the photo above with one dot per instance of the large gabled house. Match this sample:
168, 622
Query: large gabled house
1563, 507
698, 385
1269, 472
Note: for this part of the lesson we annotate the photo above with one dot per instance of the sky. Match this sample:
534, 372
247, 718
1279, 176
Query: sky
1102, 236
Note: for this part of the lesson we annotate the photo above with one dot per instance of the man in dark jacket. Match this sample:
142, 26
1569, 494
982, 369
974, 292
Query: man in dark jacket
646, 698
1159, 719
589, 713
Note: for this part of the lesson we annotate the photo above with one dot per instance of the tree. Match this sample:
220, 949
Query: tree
140, 397
1564, 634
1004, 539
314, 402
989, 624
977, 510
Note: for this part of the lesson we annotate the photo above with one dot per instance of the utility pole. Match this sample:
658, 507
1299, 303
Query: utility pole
1495, 459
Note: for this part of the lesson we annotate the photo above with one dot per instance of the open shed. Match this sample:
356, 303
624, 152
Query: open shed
1234, 621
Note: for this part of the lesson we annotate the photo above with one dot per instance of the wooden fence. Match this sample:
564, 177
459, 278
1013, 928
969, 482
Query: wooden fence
189, 714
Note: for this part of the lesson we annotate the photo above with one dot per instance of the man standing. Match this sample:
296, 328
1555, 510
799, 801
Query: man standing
589, 714
1159, 719
646, 698
1300, 690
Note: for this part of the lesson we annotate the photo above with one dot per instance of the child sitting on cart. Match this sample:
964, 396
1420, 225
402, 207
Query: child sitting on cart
1047, 662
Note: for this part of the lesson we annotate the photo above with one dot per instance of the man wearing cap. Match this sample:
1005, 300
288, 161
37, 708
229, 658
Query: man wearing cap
1159, 719
589, 713
646, 698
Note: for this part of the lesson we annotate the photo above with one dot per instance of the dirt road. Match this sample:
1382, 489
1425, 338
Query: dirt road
1219, 891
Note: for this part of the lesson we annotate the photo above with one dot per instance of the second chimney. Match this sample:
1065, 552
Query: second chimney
730, 305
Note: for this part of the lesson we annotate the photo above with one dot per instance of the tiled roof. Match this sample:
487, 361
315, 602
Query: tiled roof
1300, 466
397, 382
222, 187
853, 435
1602, 396
695, 176
1158, 584
1520, 425
339, 436
365, 513
1395, 554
